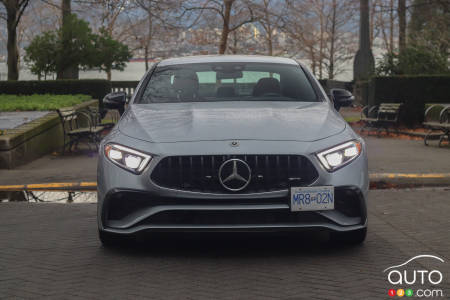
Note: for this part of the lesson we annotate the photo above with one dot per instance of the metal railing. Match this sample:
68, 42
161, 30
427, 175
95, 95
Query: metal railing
124, 86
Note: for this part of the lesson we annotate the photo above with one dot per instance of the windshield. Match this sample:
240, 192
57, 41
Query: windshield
228, 82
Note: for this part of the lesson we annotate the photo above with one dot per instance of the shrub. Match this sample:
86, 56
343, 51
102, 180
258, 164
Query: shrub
96, 88
413, 60
413, 91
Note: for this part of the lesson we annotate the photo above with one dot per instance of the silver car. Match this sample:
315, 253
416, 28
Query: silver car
231, 143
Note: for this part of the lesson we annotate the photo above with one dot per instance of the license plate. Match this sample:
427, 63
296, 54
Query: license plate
312, 198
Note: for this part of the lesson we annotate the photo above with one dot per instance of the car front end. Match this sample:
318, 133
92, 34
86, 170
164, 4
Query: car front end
232, 166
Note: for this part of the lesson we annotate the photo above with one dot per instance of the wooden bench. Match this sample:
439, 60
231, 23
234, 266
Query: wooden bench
381, 116
441, 123
78, 126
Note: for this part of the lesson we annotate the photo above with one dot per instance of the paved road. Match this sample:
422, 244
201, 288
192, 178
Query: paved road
51, 251
385, 155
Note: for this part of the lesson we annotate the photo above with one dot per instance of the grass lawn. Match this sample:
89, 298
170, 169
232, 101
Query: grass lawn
39, 102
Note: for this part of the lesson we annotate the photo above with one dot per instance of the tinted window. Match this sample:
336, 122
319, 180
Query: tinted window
228, 82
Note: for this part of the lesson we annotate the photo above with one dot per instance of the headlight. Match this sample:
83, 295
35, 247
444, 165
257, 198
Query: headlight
340, 155
127, 158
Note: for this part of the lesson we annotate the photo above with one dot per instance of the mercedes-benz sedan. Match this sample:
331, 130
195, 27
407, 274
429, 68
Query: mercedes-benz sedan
231, 143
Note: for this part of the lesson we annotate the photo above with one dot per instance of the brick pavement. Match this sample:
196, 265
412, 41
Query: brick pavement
51, 251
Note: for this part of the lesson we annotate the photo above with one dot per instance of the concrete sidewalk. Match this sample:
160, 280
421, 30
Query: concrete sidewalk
386, 156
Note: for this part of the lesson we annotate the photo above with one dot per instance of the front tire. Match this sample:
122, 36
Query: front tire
354, 237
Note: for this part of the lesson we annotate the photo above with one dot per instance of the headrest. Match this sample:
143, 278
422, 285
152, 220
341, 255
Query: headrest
266, 85
185, 82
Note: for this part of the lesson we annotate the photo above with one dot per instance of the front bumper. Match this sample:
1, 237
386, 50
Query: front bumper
129, 203
127, 212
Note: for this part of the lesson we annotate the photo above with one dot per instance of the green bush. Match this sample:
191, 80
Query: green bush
96, 88
413, 91
413, 60
39, 102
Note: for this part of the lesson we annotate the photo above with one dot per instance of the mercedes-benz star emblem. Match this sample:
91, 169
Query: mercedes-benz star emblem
235, 174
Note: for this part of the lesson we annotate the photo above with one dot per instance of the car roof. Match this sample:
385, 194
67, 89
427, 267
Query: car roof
227, 58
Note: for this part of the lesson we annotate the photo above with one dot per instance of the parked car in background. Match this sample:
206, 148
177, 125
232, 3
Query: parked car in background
231, 143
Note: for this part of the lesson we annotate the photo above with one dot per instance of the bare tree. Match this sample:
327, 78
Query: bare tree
338, 35
270, 17
232, 13
14, 11
160, 16
402, 25
111, 9
301, 26
324, 32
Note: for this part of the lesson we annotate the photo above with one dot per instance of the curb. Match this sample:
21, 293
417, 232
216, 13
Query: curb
377, 180
54, 186
412, 179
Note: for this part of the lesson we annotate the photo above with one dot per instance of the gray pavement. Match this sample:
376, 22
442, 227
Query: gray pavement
406, 156
13, 119
50, 168
51, 251
386, 155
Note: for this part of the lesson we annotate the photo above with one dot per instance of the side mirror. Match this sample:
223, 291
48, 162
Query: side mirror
115, 100
341, 98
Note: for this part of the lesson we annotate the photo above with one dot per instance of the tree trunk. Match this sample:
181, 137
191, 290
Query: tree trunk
149, 39
321, 43
226, 26
402, 25
235, 42
269, 41
332, 41
270, 46
146, 57
372, 20
313, 60
108, 75
66, 69
13, 51
391, 26
268, 29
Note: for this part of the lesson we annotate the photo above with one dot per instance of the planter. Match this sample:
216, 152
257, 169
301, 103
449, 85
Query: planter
34, 139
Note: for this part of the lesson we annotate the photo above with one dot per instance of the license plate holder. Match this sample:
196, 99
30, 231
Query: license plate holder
311, 198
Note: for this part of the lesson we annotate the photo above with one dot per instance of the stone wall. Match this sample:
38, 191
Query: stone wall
34, 139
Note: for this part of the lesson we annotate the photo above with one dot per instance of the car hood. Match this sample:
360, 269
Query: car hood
234, 120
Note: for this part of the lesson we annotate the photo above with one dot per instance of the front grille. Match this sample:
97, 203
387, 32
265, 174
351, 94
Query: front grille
200, 173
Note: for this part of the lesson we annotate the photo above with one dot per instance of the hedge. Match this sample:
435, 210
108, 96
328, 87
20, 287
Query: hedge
96, 88
413, 91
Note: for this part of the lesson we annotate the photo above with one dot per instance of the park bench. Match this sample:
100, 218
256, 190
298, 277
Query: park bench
78, 126
381, 117
98, 115
441, 123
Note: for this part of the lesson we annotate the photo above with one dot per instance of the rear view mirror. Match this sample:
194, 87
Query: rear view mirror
115, 100
341, 98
